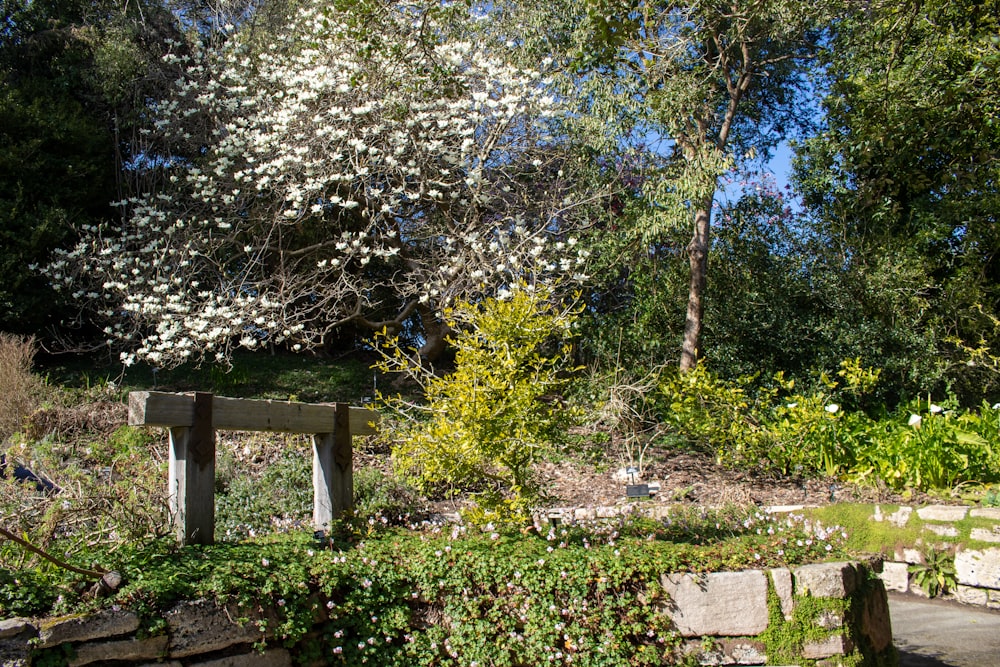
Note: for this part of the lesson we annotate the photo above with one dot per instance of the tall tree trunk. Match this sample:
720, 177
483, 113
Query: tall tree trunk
698, 258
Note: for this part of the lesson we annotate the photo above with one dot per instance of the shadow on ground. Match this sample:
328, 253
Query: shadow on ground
908, 659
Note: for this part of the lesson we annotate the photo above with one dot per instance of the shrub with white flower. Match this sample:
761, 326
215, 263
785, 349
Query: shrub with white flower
362, 167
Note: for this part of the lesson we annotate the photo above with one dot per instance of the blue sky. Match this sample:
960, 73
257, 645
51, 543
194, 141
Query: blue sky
780, 166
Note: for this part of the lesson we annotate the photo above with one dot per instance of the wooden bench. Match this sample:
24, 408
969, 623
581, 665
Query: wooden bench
193, 420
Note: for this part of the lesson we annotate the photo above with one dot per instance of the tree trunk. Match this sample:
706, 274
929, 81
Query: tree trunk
698, 258
435, 336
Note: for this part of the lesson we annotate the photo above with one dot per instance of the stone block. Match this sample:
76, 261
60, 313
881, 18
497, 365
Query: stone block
829, 620
826, 580
749, 653
271, 658
99, 625
202, 627
660, 512
897, 518
971, 595
870, 562
15, 650
781, 579
784, 509
896, 576
15, 627
980, 568
123, 649
727, 652
984, 535
836, 644
942, 512
876, 623
986, 512
901, 517
943, 530
910, 556
14, 653
732, 604
584, 514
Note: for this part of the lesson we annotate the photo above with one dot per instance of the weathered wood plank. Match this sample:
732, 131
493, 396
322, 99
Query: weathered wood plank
324, 488
191, 483
363, 421
333, 475
154, 408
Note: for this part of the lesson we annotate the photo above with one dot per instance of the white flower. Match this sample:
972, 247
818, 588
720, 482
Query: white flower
935, 409
914, 421
832, 408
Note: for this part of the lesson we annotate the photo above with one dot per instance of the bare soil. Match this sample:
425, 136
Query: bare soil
696, 479
685, 478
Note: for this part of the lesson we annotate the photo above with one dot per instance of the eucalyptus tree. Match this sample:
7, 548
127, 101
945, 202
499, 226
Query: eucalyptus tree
362, 163
717, 83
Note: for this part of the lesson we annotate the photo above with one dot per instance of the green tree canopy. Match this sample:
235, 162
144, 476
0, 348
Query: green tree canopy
904, 177
71, 78
716, 83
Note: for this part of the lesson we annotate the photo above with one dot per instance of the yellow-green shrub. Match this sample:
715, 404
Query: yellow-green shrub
498, 412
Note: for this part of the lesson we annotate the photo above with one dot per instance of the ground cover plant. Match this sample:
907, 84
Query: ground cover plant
109, 513
294, 176
110, 477
454, 594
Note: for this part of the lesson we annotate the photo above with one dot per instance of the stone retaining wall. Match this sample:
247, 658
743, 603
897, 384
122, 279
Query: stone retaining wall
977, 565
826, 614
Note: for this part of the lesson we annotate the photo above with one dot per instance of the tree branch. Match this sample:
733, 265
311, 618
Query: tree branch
96, 574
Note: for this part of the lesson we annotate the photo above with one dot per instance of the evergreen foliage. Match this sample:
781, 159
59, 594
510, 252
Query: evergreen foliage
498, 412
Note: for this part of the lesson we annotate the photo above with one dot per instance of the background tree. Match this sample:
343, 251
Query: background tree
783, 300
716, 83
903, 180
71, 77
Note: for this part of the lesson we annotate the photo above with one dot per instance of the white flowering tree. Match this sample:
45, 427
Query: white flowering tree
359, 167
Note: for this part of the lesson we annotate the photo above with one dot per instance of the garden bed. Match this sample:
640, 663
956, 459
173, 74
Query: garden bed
471, 601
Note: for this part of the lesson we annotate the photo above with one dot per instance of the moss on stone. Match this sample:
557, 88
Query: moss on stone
784, 639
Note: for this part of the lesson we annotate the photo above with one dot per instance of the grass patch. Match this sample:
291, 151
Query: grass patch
866, 535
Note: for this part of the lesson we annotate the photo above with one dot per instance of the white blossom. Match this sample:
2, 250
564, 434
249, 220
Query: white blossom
330, 162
